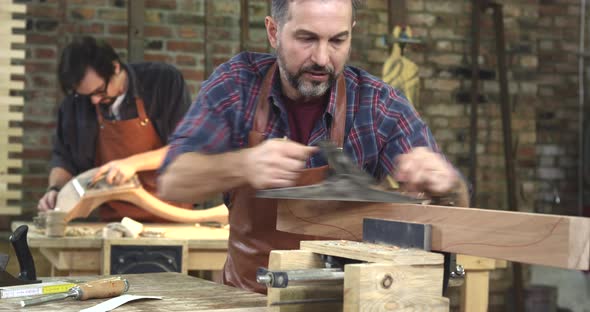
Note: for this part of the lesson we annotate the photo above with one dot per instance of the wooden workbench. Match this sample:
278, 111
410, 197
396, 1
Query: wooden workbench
180, 293
82, 255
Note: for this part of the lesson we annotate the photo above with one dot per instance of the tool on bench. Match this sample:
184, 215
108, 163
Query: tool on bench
27, 274
103, 288
345, 182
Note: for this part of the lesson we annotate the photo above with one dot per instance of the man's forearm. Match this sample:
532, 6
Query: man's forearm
151, 160
58, 177
192, 177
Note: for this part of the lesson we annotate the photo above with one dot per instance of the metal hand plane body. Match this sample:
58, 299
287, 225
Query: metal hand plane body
345, 182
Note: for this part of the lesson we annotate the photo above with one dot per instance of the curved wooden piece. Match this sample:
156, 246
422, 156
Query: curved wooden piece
552, 240
80, 206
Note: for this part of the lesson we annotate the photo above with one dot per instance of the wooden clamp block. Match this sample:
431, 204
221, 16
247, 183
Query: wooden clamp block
393, 279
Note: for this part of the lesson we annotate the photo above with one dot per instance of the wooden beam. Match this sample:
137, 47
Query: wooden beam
135, 16
551, 240
397, 13
245, 24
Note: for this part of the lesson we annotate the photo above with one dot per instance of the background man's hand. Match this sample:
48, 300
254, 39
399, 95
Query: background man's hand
276, 163
47, 202
116, 172
423, 170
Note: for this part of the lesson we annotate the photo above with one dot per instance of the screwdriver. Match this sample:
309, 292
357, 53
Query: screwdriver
102, 288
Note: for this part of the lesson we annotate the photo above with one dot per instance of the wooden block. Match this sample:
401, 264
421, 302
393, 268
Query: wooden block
391, 287
476, 263
552, 240
300, 259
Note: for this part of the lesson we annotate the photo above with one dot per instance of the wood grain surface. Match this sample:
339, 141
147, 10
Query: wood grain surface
180, 293
551, 240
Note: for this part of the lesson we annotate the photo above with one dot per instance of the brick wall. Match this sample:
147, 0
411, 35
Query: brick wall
541, 41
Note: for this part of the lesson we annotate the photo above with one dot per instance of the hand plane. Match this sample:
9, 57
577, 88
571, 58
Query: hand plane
27, 274
345, 182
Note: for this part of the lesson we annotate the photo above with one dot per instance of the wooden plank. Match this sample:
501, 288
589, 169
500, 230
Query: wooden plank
551, 240
11, 178
10, 163
8, 27
12, 101
8, 6
13, 54
10, 210
13, 69
10, 195
12, 85
11, 148
4, 116
372, 252
16, 132
9, 39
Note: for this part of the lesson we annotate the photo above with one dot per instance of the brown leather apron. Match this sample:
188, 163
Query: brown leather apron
118, 139
252, 220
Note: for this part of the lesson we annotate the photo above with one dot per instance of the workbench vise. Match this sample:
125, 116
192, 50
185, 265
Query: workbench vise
392, 269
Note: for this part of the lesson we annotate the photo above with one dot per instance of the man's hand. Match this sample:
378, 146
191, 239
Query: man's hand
115, 172
276, 163
47, 202
423, 170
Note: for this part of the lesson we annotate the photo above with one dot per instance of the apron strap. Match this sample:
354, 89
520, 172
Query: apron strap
262, 107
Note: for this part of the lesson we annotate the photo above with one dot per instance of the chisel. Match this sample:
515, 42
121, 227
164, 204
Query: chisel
103, 288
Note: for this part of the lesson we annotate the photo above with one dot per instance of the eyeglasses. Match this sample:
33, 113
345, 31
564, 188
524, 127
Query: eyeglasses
100, 92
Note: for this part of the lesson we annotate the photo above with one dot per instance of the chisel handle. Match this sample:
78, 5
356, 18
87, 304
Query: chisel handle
103, 288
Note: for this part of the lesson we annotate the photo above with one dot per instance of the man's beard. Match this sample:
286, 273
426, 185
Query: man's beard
305, 87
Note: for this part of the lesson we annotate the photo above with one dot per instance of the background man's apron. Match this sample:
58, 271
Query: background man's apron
252, 220
119, 139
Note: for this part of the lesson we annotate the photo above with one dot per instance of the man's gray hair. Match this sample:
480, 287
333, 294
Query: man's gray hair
280, 8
